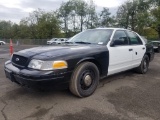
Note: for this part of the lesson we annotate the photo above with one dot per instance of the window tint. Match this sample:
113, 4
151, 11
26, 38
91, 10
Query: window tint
134, 39
120, 38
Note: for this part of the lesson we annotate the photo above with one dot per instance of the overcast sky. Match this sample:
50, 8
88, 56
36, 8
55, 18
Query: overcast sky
15, 10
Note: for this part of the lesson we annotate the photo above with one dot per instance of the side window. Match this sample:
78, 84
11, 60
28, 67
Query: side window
120, 38
134, 39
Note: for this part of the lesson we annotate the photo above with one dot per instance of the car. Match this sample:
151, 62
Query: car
156, 46
59, 41
2, 43
51, 41
149, 45
79, 64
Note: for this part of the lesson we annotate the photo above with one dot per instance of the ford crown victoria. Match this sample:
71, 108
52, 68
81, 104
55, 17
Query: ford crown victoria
82, 61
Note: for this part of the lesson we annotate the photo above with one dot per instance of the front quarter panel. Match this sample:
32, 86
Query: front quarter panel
98, 55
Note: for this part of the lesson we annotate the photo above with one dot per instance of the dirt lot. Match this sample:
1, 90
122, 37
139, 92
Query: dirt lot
126, 96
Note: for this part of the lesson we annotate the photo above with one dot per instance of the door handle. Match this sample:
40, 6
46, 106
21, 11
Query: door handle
130, 49
143, 48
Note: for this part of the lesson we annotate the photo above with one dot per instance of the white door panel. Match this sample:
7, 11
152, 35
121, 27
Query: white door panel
138, 53
122, 55
120, 59
139, 48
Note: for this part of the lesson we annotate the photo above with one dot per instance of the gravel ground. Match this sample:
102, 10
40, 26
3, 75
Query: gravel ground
125, 96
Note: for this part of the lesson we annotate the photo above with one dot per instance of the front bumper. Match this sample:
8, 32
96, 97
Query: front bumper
36, 78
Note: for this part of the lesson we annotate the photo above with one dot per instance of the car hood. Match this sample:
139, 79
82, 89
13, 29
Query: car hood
45, 52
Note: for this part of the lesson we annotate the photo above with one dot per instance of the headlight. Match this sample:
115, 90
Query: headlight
47, 65
35, 64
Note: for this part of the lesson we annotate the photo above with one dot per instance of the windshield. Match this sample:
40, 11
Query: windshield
95, 36
58, 40
156, 43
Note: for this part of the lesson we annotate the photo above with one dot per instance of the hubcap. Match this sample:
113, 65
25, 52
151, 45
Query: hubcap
87, 80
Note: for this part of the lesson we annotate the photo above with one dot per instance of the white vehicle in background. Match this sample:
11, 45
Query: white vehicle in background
55, 41
2, 43
51, 41
59, 41
63, 40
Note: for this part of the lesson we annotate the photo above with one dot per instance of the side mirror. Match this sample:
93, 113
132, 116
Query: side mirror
117, 42
112, 44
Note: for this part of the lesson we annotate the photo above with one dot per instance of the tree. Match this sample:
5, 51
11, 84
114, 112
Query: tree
105, 18
128, 13
77, 15
123, 15
5, 29
143, 21
40, 25
156, 20
64, 12
81, 11
92, 18
48, 26
155, 2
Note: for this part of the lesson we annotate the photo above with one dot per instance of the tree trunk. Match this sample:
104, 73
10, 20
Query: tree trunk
81, 23
132, 24
66, 26
159, 35
74, 25
127, 22
158, 30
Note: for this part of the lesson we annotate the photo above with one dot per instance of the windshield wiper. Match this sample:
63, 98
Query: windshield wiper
81, 42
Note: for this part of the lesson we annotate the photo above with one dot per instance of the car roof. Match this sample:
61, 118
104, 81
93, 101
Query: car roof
114, 28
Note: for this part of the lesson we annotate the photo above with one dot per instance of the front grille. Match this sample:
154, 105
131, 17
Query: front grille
19, 60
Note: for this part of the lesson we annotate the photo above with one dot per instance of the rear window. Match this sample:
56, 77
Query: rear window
134, 38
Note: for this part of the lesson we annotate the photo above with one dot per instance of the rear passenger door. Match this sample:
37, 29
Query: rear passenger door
139, 48
120, 53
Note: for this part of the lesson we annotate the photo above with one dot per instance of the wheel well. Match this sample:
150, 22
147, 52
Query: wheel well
93, 61
148, 54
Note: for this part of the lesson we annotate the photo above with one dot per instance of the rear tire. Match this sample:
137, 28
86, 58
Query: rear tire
84, 80
143, 68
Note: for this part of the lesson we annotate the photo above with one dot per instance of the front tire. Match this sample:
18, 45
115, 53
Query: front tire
84, 80
143, 68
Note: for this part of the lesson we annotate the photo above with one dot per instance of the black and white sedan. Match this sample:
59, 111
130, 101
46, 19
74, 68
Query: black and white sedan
82, 61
